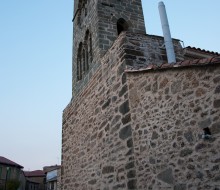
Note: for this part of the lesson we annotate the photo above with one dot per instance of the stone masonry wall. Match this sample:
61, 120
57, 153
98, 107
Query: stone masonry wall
142, 130
97, 146
142, 50
169, 110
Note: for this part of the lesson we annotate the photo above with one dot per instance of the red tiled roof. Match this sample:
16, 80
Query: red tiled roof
185, 63
35, 173
6, 161
201, 50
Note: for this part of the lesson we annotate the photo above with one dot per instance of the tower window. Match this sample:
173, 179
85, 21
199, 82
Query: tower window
84, 61
90, 48
84, 56
79, 63
122, 25
88, 42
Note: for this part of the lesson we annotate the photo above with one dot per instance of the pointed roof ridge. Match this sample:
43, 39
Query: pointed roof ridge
6, 161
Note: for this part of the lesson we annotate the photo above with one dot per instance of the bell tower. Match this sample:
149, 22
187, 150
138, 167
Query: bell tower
96, 25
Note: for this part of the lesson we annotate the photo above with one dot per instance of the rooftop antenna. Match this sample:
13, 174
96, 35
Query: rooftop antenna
166, 33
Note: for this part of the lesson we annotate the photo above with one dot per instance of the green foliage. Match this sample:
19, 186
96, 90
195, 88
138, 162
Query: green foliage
12, 185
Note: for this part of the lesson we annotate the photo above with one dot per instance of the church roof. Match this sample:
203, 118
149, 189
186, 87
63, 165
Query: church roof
199, 50
185, 63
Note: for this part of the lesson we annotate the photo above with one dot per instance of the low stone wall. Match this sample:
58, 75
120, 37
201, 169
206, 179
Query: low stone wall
169, 110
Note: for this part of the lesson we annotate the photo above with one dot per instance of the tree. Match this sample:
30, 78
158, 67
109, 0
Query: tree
12, 185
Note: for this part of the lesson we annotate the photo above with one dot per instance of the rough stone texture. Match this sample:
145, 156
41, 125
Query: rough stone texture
215, 128
59, 179
140, 130
180, 187
217, 103
101, 21
205, 123
97, 147
100, 17
146, 135
168, 121
166, 176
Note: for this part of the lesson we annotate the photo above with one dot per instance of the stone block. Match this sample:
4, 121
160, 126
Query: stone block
166, 176
205, 123
124, 107
180, 187
217, 90
176, 87
108, 169
125, 132
185, 152
132, 184
216, 103
215, 128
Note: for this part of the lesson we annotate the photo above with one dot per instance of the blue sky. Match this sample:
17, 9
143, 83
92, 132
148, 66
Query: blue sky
35, 67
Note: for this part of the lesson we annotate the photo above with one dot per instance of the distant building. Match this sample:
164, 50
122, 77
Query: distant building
32, 185
35, 180
9, 171
52, 178
50, 168
22, 180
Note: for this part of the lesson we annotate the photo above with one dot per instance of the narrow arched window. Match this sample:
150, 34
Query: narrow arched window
79, 75
84, 56
86, 7
122, 25
88, 42
87, 49
87, 58
84, 61
79, 63
90, 48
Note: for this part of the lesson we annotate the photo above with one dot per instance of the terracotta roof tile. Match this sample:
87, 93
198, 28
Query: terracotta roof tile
6, 161
185, 63
215, 60
152, 66
35, 173
204, 61
201, 50
165, 65
195, 61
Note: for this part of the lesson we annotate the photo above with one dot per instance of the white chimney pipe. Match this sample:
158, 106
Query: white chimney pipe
166, 33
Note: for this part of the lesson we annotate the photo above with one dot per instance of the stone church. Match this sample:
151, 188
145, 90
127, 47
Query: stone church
135, 121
